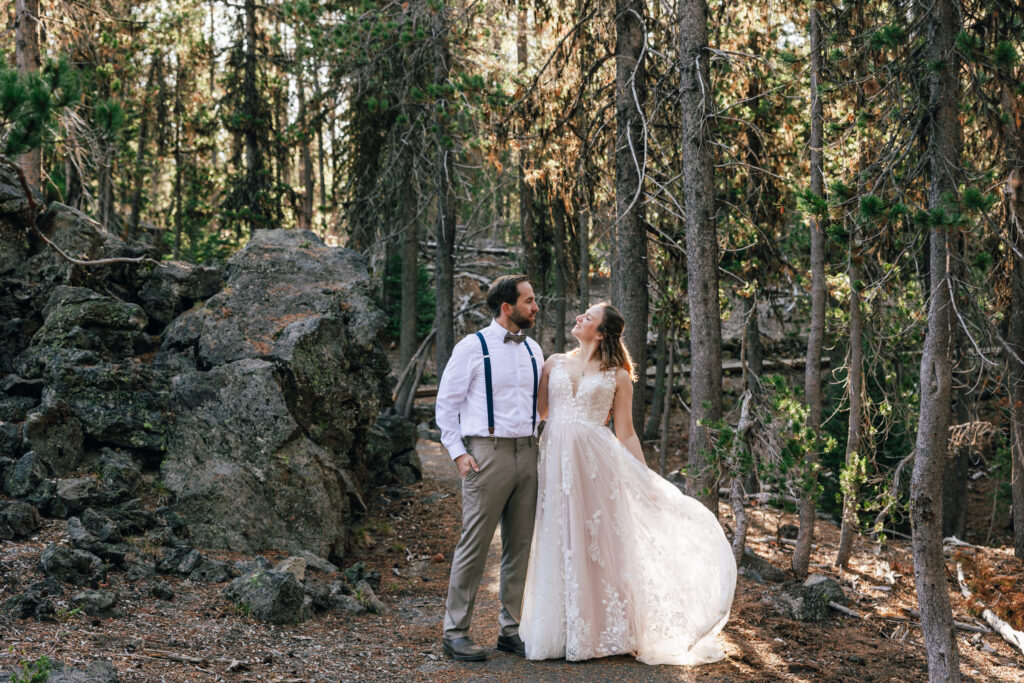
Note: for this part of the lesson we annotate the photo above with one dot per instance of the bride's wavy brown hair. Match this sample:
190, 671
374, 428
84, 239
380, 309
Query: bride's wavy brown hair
614, 354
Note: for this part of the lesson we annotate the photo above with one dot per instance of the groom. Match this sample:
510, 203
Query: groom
487, 412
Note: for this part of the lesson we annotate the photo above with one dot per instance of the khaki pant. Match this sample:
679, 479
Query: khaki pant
505, 490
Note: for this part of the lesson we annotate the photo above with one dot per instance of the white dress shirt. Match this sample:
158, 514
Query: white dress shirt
461, 408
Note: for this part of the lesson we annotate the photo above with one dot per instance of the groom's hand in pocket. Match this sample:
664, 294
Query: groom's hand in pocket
465, 463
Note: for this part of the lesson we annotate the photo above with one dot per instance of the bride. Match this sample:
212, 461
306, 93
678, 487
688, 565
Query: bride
622, 562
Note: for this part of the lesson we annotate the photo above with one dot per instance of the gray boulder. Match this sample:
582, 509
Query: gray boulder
407, 467
368, 599
34, 603
24, 477
180, 560
269, 596
10, 440
54, 434
170, 288
15, 218
119, 473
212, 571
236, 439
77, 567
18, 520
828, 587
95, 603
83, 539
759, 569
75, 494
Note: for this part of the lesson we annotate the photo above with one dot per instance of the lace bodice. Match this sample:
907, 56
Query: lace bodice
591, 401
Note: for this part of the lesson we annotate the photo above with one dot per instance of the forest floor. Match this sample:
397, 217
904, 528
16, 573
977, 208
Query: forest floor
410, 537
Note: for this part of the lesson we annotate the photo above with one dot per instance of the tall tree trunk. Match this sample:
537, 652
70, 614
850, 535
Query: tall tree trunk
932, 434
561, 269
630, 159
1016, 374
179, 161
444, 258
816, 334
661, 362
213, 79
1013, 197
410, 280
954, 474
254, 171
305, 216
27, 58
855, 387
527, 217
701, 249
140, 149
583, 228
666, 409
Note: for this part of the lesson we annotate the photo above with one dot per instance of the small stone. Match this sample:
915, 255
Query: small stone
73, 566
212, 571
293, 565
269, 596
181, 560
18, 520
95, 603
162, 590
317, 563
365, 595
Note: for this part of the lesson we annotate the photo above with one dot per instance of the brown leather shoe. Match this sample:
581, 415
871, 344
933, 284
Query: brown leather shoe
464, 650
513, 644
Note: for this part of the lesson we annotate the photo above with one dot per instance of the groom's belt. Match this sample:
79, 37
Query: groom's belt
517, 440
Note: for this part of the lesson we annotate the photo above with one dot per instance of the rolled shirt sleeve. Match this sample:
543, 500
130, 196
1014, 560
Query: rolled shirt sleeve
451, 393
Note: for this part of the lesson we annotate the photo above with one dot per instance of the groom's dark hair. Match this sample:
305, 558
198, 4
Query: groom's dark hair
504, 290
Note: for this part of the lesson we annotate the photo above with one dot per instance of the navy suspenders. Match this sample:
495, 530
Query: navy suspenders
487, 381
488, 385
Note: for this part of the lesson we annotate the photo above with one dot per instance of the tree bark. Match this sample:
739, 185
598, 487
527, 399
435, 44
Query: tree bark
661, 356
305, 217
816, 333
850, 484
140, 150
561, 271
630, 160
932, 435
527, 217
444, 258
27, 58
701, 250
410, 280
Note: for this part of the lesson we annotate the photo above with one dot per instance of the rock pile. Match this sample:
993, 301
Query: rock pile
245, 398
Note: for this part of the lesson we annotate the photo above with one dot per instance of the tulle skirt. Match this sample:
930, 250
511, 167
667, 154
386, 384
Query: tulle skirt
622, 562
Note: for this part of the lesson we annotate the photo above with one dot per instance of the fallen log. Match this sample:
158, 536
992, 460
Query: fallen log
1005, 631
963, 626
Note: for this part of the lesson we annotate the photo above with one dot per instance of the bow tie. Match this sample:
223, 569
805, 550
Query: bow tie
517, 338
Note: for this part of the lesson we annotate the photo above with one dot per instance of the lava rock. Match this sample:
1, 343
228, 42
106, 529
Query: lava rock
34, 603
757, 568
10, 440
54, 434
136, 570
289, 347
212, 571
180, 560
82, 539
358, 572
71, 565
269, 596
162, 590
58, 672
293, 565
119, 473
365, 595
76, 494
828, 586
802, 604
407, 467
25, 475
95, 603
172, 287
317, 563
18, 520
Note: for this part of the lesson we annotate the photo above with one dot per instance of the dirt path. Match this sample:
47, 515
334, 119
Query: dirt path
409, 534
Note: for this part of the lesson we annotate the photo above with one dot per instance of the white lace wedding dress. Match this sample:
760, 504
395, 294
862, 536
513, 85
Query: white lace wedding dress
622, 562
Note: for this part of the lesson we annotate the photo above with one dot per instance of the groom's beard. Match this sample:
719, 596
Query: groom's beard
522, 322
